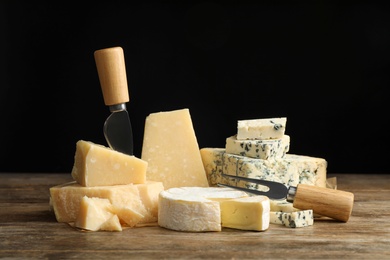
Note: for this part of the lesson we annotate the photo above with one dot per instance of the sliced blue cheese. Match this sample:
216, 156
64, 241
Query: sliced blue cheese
296, 219
290, 170
261, 149
267, 128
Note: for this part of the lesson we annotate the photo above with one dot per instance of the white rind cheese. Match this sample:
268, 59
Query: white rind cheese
260, 149
247, 213
268, 128
193, 209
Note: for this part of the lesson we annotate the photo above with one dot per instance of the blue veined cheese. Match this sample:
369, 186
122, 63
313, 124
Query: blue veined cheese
267, 128
260, 149
290, 170
296, 219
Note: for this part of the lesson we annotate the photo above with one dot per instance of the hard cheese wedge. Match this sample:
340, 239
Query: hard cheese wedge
171, 149
248, 213
97, 165
195, 209
267, 128
129, 201
95, 214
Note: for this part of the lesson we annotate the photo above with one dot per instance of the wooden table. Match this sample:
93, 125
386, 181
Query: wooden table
28, 229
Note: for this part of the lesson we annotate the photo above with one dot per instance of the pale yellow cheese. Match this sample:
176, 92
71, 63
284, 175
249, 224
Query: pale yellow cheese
171, 149
94, 213
194, 209
97, 165
140, 199
247, 213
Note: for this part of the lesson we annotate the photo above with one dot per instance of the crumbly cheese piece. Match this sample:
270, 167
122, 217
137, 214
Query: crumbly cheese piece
261, 149
194, 209
282, 206
247, 213
212, 159
97, 165
290, 170
267, 128
302, 218
95, 214
139, 199
171, 149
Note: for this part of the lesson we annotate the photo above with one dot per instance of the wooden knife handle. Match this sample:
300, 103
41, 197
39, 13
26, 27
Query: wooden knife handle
332, 203
110, 63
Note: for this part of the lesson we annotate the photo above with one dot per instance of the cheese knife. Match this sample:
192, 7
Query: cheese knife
110, 64
336, 204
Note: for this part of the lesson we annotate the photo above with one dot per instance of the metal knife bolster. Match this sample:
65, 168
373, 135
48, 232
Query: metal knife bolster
117, 107
292, 191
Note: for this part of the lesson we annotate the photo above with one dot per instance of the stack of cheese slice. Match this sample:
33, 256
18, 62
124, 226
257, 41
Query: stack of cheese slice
259, 150
110, 191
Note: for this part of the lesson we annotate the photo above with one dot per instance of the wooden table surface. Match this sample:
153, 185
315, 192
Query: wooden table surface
28, 229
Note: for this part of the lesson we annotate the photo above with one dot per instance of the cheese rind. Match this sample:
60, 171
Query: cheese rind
267, 128
97, 165
193, 209
260, 149
66, 199
171, 149
247, 213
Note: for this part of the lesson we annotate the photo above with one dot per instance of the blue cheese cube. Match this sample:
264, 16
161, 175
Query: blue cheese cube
260, 149
296, 219
268, 128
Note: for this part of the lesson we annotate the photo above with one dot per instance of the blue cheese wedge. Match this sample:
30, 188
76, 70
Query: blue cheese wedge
290, 170
268, 128
296, 219
260, 149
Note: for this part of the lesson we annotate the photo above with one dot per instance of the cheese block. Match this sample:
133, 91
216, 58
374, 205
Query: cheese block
289, 170
247, 213
171, 149
267, 128
302, 218
129, 201
282, 206
193, 209
95, 214
97, 165
261, 149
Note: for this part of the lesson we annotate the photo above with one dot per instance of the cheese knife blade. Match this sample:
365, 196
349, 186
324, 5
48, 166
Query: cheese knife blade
110, 64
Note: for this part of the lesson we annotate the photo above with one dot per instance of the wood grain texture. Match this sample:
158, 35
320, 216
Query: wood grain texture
28, 229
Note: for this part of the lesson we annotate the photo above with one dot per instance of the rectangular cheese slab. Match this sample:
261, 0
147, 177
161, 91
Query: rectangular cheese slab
171, 149
290, 170
97, 165
296, 219
142, 199
247, 213
267, 128
261, 149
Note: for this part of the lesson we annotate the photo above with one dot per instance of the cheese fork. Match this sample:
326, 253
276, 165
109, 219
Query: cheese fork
336, 204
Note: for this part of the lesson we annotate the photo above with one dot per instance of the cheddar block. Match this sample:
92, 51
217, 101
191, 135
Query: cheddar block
267, 128
94, 213
66, 199
97, 165
193, 209
247, 213
260, 149
171, 149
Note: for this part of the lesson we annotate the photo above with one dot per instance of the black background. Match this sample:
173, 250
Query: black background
324, 65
